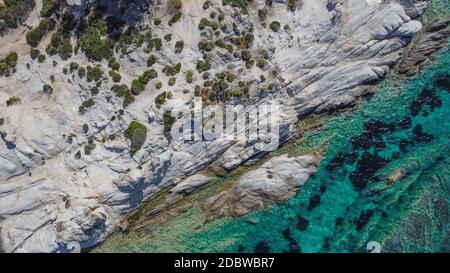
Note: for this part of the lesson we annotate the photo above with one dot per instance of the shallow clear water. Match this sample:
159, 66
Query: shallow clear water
348, 203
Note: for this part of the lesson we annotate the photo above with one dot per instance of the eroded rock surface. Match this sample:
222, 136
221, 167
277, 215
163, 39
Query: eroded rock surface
435, 37
276, 181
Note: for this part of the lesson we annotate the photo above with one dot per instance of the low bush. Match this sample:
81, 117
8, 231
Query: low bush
35, 35
137, 134
275, 26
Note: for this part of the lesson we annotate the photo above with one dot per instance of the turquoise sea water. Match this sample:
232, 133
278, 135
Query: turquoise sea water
335, 211
403, 128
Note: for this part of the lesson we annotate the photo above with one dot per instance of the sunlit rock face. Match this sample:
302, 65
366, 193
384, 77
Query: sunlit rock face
332, 53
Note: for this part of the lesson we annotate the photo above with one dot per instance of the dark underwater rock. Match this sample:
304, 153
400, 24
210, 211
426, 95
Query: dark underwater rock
426, 97
340, 159
404, 123
373, 131
240, 248
313, 202
443, 81
293, 245
262, 247
366, 169
422, 136
303, 223
403, 144
363, 219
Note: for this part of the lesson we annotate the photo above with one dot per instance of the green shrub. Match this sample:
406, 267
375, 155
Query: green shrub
122, 91
66, 49
86, 104
179, 46
244, 41
137, 134
249, 64
176, 4
190, 76
245, 55
113, 64
214, 25
261, 14
8, 64
275, 26
116, 77
35, 35
14, 12
81, 72
149, 75
159, 85
261, 63
60, 42
168, 37
12, 100
175, 18
206, 45
48, 7
93, 73
242, 4
137, 87
203, 24
151, 60
34, 53
203, 66
154, 43
94, 46
95, 91
73, 66
168, 122
292, 4
89, 148
265, 54
172, 81
47, 89
172, 70
41, 58
160, 99
85, 128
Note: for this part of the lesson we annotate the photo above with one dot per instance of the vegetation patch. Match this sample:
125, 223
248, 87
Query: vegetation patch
137, 134
49, 7
8, 64
14, 12
35, 35
122, 91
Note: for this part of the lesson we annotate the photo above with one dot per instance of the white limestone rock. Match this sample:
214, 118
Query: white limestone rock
276, 181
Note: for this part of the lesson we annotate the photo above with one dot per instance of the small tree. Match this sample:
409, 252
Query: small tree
275, 26
137, 134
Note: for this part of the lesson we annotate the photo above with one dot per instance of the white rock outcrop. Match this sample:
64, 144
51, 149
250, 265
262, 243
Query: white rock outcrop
276, 181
